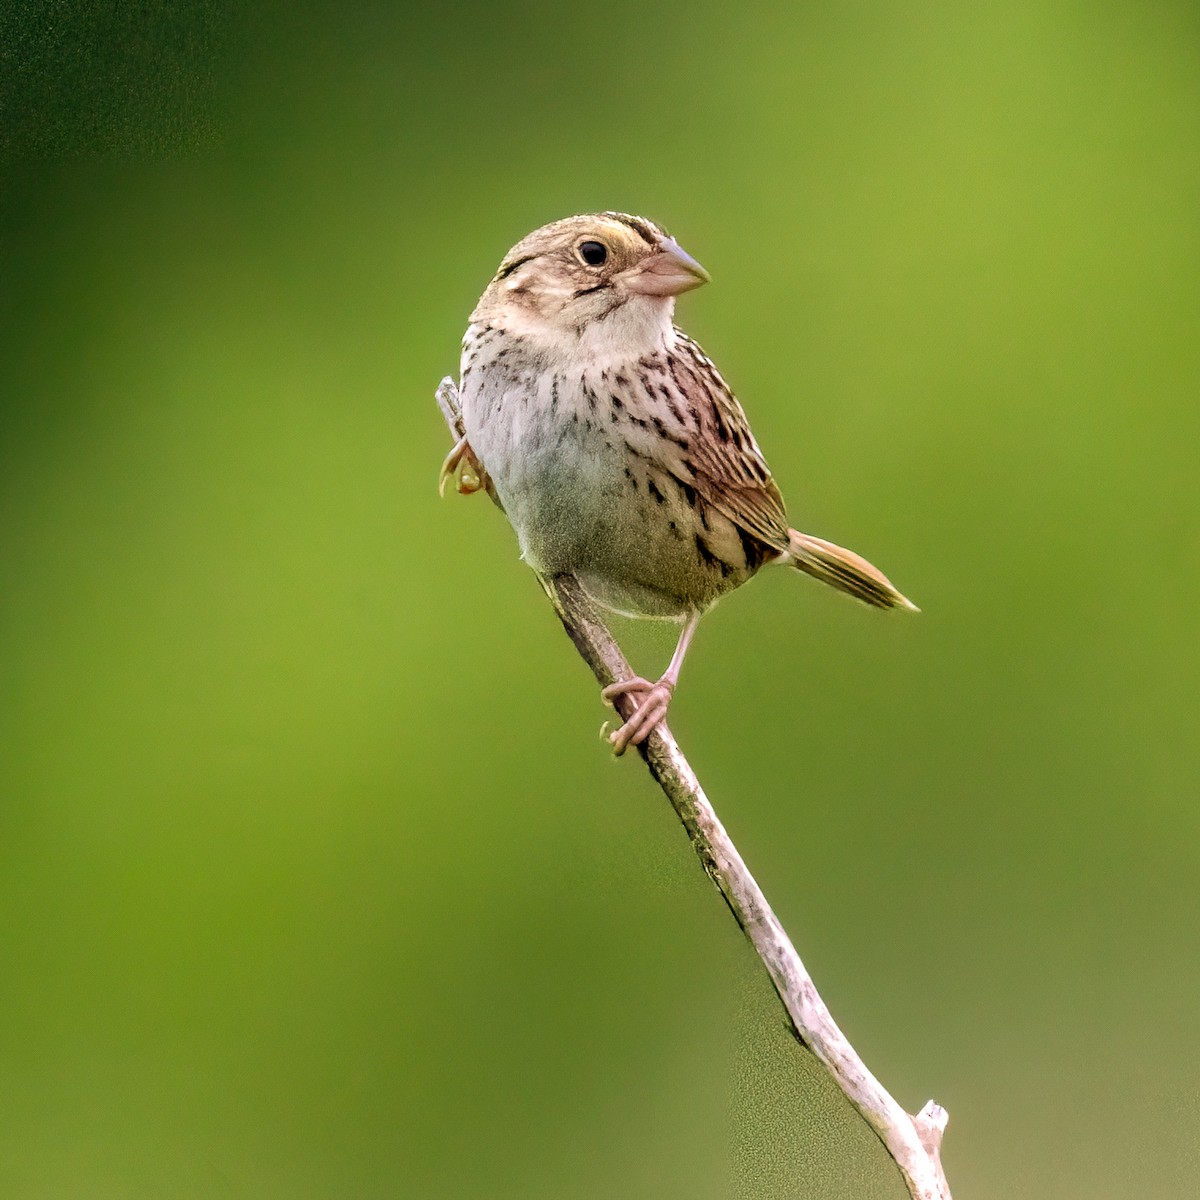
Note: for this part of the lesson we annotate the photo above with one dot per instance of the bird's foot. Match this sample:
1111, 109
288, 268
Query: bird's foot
464, 468
653, 700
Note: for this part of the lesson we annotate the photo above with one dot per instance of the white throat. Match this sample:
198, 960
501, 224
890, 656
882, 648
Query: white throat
641, 325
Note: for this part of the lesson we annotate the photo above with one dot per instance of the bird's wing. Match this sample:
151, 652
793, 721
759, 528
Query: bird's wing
722, 460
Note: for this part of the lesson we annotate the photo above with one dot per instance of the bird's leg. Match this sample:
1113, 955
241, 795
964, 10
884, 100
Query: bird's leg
653, 699
464, 468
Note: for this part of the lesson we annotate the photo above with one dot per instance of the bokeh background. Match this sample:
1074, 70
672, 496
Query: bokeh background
315, 880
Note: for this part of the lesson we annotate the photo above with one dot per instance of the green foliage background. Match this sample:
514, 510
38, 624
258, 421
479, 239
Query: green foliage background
314, 878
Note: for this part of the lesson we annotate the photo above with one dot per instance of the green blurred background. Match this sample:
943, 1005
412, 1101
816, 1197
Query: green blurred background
315, 880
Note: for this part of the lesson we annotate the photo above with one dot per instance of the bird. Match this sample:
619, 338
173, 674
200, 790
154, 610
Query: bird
615, 447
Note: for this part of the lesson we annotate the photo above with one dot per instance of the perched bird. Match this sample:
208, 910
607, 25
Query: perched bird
614, 446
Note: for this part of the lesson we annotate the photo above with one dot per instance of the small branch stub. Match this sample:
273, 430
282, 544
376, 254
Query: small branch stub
931, 1123
914, 1142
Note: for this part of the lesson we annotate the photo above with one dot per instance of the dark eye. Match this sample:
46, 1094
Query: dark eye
593, 253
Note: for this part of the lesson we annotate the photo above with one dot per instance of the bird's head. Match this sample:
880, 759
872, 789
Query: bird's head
607, 280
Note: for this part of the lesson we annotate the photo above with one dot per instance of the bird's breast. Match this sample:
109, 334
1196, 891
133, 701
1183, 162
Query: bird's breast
553, 465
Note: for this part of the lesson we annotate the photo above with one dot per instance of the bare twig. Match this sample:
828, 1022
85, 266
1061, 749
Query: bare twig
914, 1142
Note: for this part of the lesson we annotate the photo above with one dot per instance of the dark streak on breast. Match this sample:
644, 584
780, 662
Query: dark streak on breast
673, 401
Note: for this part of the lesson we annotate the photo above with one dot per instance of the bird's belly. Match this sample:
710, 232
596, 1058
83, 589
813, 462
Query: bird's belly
580, 502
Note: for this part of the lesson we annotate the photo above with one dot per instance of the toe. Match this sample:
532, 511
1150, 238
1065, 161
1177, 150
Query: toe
624, 687
461, 466
450, 465
645, 719
619, 741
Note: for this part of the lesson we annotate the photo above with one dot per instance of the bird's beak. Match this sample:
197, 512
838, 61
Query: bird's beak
667, 272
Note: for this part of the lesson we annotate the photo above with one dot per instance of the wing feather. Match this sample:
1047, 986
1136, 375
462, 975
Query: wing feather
727, 468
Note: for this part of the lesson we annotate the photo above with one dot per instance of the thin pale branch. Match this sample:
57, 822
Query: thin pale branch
914, 1142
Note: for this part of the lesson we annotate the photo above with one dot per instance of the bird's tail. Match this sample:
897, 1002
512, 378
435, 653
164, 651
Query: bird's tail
844, 570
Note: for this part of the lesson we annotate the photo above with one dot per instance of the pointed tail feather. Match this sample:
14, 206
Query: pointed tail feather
844, 570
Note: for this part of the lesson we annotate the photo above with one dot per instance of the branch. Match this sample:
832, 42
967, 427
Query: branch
914, 1142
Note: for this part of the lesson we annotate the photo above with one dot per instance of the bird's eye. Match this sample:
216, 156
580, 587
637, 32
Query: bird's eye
593, 253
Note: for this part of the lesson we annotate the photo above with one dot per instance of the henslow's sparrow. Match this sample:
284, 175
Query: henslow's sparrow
613, 444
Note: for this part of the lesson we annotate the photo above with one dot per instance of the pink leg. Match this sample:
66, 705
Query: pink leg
653, 699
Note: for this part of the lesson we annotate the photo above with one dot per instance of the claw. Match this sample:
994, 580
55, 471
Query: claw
464, 468
653, 700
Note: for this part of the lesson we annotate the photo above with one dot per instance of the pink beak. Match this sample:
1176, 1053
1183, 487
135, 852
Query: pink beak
667, 272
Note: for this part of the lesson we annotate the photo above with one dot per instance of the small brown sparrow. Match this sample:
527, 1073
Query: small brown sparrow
614, 446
